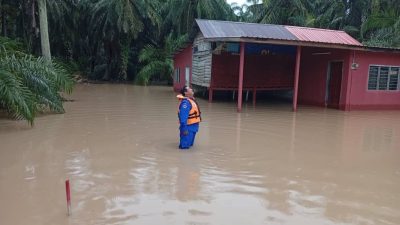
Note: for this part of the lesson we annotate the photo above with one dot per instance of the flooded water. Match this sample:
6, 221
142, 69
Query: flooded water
118, 146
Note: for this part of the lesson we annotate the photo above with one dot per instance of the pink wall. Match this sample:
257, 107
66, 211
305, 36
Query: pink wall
182, 60
360, 96
313, 74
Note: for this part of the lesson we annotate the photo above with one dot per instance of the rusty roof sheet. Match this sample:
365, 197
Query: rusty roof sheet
323, 36
229, 29
215, 29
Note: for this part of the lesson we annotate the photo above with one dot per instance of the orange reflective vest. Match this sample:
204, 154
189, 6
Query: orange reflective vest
194, 113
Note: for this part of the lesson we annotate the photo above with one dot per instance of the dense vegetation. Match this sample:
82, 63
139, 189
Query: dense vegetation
134, 40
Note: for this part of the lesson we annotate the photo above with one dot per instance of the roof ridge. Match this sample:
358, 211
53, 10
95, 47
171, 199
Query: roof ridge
269, 24
228, 21
223, 29
315, 28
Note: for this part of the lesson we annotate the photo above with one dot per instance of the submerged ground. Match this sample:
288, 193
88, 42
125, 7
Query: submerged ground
118, 146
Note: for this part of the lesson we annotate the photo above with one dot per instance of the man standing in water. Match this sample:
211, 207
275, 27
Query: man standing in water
189, 117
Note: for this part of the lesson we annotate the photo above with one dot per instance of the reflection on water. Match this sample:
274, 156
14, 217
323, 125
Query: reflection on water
118, 146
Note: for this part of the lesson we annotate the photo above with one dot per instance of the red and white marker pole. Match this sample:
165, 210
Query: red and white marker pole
68, 192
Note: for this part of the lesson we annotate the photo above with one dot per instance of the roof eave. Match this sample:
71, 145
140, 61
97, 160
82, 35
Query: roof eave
381, 49
285, 42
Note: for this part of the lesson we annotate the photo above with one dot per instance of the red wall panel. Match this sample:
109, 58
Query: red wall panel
182, 60
314, 71
259, 71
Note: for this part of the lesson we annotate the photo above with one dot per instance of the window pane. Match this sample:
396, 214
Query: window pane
383, 78
393, 78
373, 77
177, 77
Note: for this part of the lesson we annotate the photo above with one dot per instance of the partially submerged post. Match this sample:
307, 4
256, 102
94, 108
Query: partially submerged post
68, 192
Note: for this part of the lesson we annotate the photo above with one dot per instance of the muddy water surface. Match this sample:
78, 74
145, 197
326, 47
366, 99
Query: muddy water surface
118, 146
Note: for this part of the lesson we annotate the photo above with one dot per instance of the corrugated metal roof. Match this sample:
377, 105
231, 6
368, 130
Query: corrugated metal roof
323, 36
380, 48
215, 29
229, 29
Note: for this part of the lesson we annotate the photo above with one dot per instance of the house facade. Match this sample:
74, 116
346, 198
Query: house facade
319, 67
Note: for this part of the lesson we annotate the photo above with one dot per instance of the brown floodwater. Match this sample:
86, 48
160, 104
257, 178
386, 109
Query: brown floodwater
118, 146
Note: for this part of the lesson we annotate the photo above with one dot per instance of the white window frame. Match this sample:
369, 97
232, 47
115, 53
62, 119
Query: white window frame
379, 75
177, 75
187, 76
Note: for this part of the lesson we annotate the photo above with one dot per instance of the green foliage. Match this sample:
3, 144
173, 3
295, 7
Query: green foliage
29, 84
106, 38
71, 67
158, 61
7, 44
182, 13
373, 22
16, 97
384, 37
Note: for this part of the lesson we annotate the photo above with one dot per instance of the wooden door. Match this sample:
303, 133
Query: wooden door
335, 84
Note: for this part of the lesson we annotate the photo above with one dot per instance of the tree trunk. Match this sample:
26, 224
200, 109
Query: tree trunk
20, 28
44, 30
34, 26
3, 20
124, 60
108, 48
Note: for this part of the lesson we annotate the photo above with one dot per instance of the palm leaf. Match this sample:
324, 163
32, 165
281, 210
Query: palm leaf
152, 69
17, 99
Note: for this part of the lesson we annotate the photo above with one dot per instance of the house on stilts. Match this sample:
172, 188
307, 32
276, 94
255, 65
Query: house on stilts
320, 67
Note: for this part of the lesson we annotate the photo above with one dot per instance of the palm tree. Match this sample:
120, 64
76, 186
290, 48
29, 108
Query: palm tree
44, 30
29, 84
117, 22
286, 12
329, 14
182, 13
382, 27
158, 60
242, 12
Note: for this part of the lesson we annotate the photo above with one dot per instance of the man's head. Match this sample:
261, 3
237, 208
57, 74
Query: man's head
187, 91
